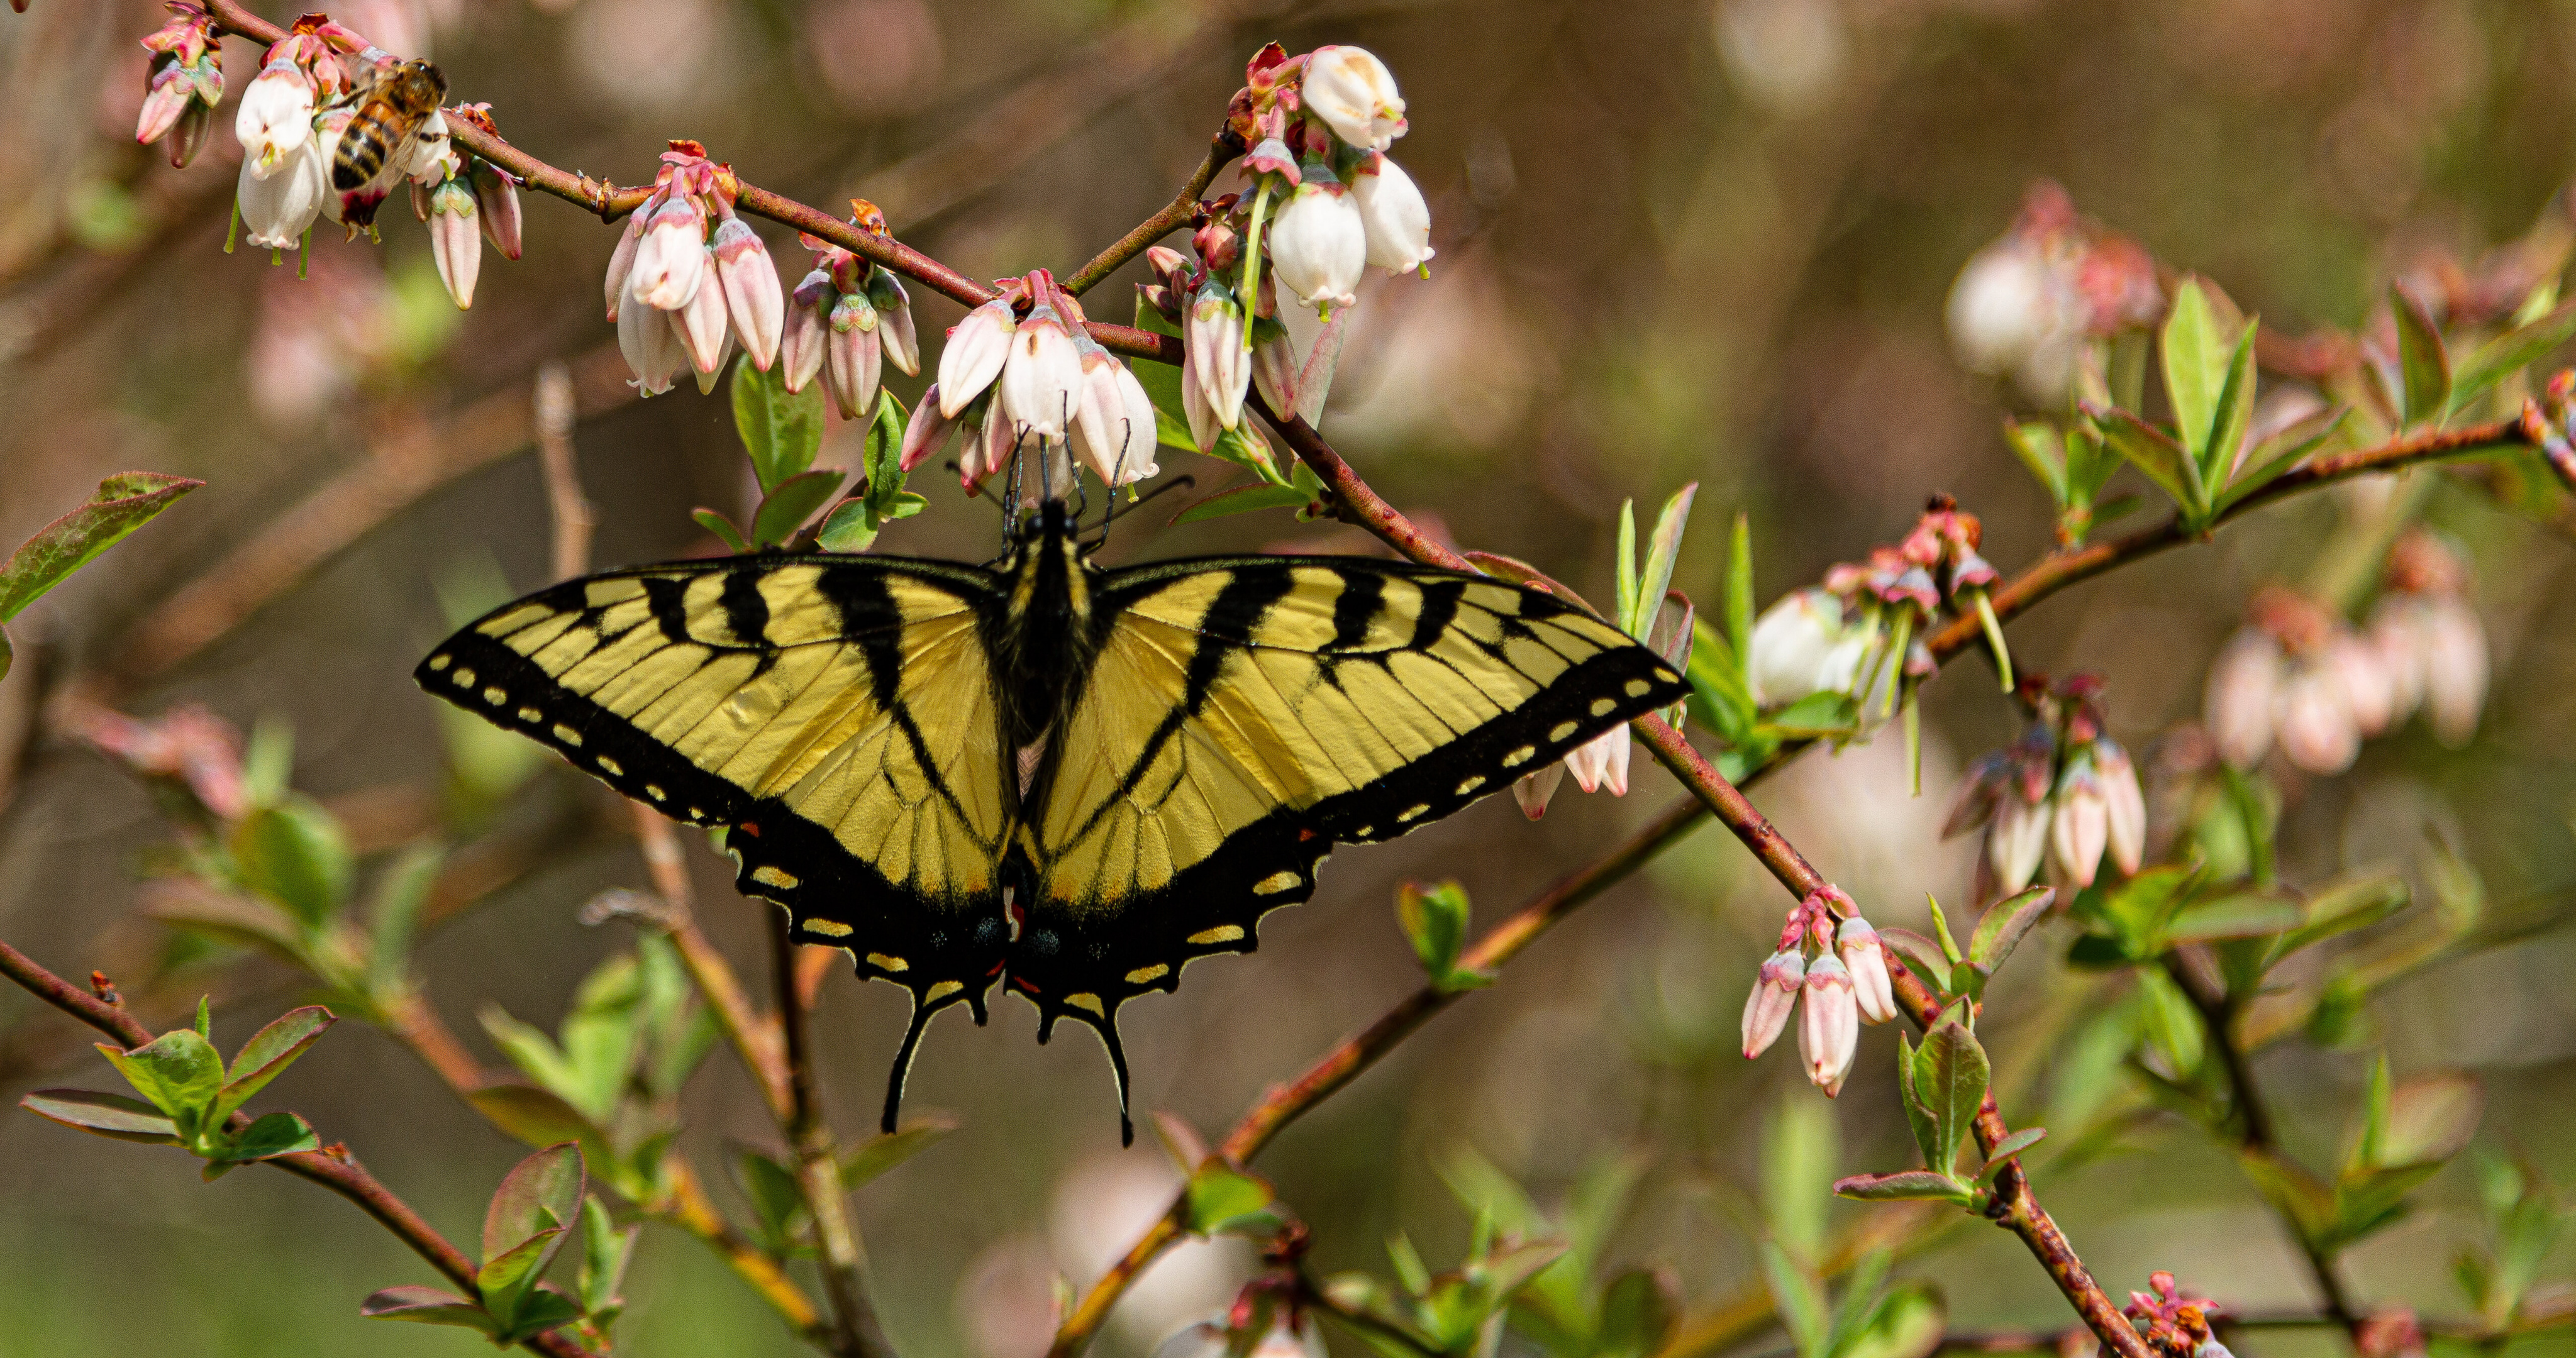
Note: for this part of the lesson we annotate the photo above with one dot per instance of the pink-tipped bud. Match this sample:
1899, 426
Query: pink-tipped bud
1394, 215
1213, 335
807, 331
1775, 994
928, 432
1275, 370
1171, 268
1829, 1030
455, 240
1194, 404
2017, 842
1602, 762
1872, 987
650, 346
701, 321
1042, 378
2244, 684
1534, 791
496, 195
853, 356
977, 349
753, 300
988, 451
196, 123
2455, 669
671, 257
2080, 828
2125, 802
2314, 714
894, 318
168, 92
621, 261
1113, 427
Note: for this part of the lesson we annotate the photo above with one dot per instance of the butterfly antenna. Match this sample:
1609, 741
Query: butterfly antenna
1119, 511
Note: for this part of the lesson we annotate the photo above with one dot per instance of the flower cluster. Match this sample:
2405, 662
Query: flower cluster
2177, 1326
689, 279
849, 319
1861, 633
1010, 378
185, 82
1841, 970
2029, 302
293, 115
2065, 793
1322, 203
2297, 675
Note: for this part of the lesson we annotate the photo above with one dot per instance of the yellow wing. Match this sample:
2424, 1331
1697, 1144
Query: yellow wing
1242, 715
836, 713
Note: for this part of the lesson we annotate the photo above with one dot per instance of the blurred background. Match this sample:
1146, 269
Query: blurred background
1677, 242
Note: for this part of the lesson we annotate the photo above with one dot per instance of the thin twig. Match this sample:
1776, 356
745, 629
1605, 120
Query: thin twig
334, 1171
1222, 149
855, 1328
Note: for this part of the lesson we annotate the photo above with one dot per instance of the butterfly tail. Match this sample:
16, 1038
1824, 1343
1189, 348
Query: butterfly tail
921, 1016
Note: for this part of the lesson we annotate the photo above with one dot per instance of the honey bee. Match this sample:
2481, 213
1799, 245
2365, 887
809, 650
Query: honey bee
391, 107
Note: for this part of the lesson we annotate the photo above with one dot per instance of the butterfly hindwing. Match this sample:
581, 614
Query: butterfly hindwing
835, 715
1239, 716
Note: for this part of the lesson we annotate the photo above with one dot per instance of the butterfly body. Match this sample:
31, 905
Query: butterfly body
1069, 780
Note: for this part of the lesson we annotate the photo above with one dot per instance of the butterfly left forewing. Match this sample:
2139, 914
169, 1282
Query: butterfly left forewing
1240, 716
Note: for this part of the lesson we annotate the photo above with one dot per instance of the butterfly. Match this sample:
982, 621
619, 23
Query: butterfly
1067, 779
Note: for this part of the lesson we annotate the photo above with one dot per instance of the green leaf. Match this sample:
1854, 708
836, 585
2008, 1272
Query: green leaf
269, 1137
2306, 1200
873, 1157
1220, 1197
395, 910
295, 853
2195, 366
1246, 500
121, 504
428, 1306
723, 528
1662, 551
1918, 1109
2155, 453
269, 1052
777, 1199
543, 1308
606, 1251
2235, 414
2136, 910
852, 526
781, 430
2267, 460
2004, 924
535, 1053
2036, 443
2009, 1149
268, 762
2248, 914
542, 1193
1941, 931
536, 1117
1815, 716
1626, 571
1739, 599
1801, 1148
1860, 1288
1435, 918
1639, 1310
178, 1071
1911, 1185
109, 1115
1950, 1075
1719, 699
2430, 1120
1920, 953
1800, 1299
788, 505
2516, 349
2343, 908
1909, 1322
2425, 370
2172, 1024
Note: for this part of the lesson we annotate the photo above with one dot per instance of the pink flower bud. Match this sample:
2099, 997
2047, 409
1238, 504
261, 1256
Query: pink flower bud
1534, 792
496, 196
2455, 669
1602, 762
894, 318
1171, 268
988, 452
701, 319
928, 432
1113, 427
168, 92
1829, 1029
1275, 369
977, 349
1042, 378
621, 261
752, 298
1867, 961
2080, 829
706, 377
2125, 802
2367, 686
1395, 218
853, 356
2017, 841
1214, 336
2244, 685
1194, 404
807, 330
1775, 994
2317, 730
189, 137
671, 257
1355, 95
1318, 243
455, 240
651, 349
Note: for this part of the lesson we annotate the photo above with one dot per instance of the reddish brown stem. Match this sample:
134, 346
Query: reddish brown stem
333, 1171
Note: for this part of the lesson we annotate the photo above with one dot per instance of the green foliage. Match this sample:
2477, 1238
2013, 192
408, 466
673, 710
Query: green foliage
881, 498
2424, 388
190, 1098
1435, 918
1941, 1085
780, 430
121, 504
531, 1217
1872, 1320
1223, 1200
